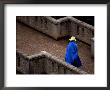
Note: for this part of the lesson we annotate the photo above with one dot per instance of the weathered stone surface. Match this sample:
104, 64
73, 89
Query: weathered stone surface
22, 63
60, 27
30, 42
48, 64
92, 47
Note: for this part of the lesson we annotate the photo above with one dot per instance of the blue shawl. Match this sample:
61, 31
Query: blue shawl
71, 56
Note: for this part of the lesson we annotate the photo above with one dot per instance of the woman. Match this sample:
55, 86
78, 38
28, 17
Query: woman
71, 56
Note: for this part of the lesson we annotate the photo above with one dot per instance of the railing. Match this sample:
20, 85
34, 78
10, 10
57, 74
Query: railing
60, 27
44, 63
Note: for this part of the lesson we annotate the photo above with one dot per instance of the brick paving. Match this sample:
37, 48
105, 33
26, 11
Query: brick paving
31, 42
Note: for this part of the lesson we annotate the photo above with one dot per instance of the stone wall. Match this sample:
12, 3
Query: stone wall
60, 27
81, 30
46, 25
57, 28
22, 63
44, 63
92, 47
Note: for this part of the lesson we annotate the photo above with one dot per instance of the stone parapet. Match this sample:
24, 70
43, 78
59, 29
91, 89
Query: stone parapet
57, 28
44, 63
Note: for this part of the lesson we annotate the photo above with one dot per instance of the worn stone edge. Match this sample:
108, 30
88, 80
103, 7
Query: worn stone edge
44, 54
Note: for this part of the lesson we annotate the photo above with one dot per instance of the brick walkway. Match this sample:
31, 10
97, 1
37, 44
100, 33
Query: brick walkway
31, 42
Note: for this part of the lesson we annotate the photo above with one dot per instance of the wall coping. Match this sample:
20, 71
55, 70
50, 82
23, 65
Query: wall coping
58, 21
48, 55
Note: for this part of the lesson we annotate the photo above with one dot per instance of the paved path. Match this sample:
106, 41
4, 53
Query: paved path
31, 41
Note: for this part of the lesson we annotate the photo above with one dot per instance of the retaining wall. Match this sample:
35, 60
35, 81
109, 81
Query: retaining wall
44, 63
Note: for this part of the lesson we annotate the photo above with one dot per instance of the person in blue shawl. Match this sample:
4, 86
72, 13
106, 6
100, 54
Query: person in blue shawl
71, 56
